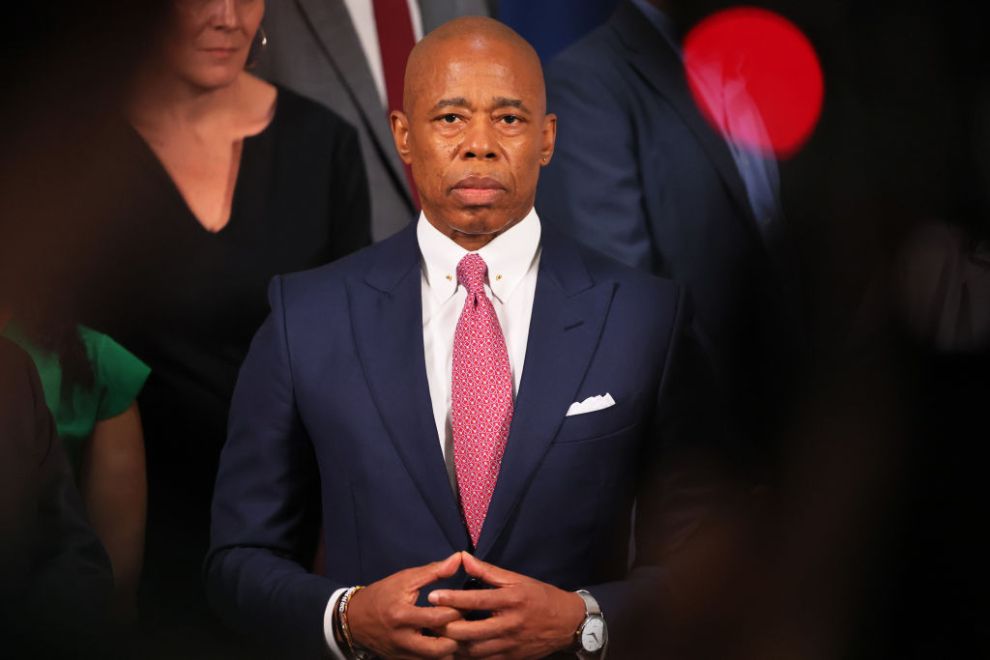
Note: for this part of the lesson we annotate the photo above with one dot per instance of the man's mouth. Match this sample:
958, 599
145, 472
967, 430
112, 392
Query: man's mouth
477, 190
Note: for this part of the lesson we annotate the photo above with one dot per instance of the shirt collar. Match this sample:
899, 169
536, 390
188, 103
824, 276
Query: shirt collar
509, 256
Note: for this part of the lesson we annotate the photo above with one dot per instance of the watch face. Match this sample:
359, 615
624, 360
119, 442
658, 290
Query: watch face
593, 635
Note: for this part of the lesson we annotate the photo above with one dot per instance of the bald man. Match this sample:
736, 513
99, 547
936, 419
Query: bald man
475, 403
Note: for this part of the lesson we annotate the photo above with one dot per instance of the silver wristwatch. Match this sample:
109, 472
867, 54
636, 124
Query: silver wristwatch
592, 635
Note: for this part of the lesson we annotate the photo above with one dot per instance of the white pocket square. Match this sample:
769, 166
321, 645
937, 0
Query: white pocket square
591, 404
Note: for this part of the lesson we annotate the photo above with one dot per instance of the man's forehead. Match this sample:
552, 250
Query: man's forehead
504, 64
484, 39
485, 76
477, 66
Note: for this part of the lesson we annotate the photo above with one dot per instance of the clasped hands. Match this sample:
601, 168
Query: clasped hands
529, 618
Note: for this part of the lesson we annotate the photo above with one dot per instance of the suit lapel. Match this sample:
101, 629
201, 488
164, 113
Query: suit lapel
569, 311
387, 312
657, 62
331, 22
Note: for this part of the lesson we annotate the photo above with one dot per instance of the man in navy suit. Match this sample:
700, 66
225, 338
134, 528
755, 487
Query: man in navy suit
390, 388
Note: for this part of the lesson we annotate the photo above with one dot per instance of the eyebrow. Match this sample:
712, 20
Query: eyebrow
458, 101
503, 102
497, 102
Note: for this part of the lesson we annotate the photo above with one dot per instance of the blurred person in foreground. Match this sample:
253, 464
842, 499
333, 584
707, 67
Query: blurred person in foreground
876, 549
478, 401
55, 578
66, 66
90, 384
232, 180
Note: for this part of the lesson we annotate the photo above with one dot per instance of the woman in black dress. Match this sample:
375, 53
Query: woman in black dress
231, 181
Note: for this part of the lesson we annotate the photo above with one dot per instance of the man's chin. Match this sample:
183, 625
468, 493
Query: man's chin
480, 222
471, 222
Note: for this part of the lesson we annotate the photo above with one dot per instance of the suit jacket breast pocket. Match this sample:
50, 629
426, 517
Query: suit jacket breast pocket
588, 426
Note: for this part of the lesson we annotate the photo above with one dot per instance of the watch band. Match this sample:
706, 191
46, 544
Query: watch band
590, 604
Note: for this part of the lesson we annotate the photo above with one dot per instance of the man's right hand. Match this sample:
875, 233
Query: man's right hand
384, 619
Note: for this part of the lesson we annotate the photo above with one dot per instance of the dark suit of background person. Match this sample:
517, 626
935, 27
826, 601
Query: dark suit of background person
313, 49
640, 175
55, 577
333, 398
552, 25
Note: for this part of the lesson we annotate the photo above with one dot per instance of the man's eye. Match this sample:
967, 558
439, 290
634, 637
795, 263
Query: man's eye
511, 119
448, 119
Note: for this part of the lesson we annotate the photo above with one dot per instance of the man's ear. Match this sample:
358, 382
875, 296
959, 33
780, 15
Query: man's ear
549, 137
400, 133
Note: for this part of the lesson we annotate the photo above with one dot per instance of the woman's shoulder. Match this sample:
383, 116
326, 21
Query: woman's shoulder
306, 115
119, 374
106, 354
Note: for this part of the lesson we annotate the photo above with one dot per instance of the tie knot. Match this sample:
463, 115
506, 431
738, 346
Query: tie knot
471, 273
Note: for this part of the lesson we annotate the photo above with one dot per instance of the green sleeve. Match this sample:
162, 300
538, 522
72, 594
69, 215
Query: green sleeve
118, 373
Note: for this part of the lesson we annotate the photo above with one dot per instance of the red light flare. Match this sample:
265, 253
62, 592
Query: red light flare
772, 62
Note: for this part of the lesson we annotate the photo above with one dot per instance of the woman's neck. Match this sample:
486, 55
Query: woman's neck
164, 100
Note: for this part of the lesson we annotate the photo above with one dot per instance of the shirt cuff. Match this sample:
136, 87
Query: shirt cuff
328, 625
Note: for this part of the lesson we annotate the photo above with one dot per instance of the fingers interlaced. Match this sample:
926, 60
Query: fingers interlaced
457, 637
430, 617
491, 648
420, 576
429, 647
473, 631
475, 599
488, 573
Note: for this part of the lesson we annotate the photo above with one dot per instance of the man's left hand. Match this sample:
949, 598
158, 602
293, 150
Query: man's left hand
530, 619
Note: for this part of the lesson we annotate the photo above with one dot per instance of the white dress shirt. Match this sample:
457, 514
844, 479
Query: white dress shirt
513, 260
363, 17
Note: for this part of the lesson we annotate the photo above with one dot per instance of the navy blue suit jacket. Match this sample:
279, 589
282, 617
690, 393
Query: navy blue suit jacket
639, 174
333, 399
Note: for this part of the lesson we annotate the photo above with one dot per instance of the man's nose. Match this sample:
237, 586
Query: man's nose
479, 141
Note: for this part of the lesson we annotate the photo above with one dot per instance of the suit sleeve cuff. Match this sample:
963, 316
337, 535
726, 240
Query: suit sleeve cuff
335, 651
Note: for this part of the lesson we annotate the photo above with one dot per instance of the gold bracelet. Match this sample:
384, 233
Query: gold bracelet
345, 628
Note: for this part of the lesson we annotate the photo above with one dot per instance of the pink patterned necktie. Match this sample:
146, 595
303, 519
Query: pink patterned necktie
481, 394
